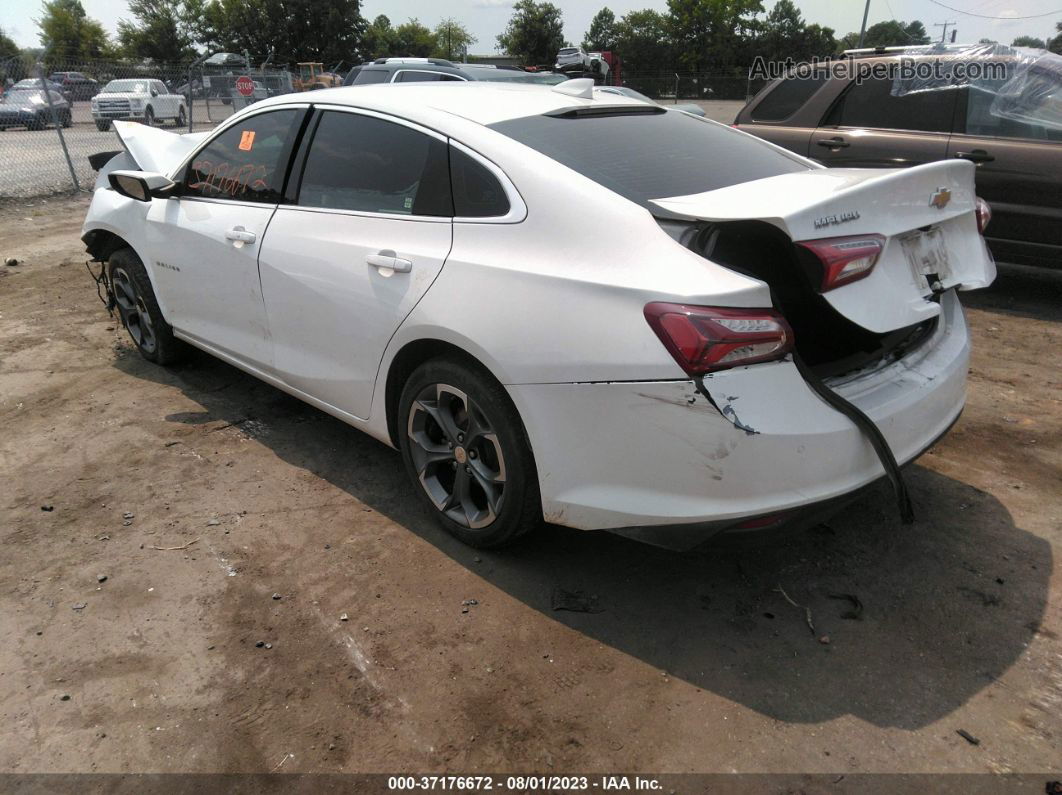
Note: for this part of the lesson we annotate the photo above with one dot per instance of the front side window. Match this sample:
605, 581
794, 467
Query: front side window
366, 164
872, 104
247, 161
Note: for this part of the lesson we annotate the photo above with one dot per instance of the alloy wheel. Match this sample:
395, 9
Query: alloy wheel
457, 456
133, 310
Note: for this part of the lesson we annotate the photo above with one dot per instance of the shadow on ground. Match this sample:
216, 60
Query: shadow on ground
1021, 290
948, 604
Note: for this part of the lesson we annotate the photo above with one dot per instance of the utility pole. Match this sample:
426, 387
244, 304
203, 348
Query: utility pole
863, 28
944, 33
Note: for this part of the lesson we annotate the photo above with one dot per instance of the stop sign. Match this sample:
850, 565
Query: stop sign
245, 85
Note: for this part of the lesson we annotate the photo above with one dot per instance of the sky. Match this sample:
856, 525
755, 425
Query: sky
485, 19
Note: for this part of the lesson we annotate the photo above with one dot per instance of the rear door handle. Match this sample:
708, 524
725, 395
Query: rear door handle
389, 260
238, 233
834, 143
976, 156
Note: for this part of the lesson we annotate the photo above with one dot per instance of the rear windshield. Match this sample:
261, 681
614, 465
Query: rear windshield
372, 76
644, 156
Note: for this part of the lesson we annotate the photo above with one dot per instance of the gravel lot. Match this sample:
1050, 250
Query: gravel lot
199, 493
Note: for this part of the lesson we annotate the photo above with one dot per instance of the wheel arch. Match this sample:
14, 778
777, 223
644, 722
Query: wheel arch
407, 359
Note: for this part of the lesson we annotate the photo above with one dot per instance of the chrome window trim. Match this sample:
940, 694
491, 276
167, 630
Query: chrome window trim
517, 209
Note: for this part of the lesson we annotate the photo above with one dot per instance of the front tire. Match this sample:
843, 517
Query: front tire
103, 125
467, 453
181, 119
149, 117
139, 310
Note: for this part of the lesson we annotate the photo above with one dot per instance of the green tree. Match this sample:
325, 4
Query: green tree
1029, 41
329, 31
602, 33
8, 48
379, 40
162, 30
452, 39
535, 32
784, 34
642, 41
1055, 45
69, 34
414, 40
890, 33
713, 32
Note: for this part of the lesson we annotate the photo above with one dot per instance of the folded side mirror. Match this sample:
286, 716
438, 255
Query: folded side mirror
141, 185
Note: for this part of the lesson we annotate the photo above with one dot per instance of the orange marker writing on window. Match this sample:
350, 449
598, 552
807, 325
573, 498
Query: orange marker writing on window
247, 140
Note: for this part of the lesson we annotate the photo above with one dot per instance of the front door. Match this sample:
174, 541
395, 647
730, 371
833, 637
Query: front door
204, 243
343, 267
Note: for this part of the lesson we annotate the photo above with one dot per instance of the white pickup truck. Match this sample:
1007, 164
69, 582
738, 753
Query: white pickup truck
137, 99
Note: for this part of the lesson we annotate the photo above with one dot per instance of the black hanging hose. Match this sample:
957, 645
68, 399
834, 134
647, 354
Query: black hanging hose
870, 430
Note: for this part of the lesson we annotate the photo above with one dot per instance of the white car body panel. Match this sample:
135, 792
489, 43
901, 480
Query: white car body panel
550, 301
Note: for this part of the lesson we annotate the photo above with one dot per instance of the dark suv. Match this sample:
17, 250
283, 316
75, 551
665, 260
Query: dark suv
844, 122
76, 85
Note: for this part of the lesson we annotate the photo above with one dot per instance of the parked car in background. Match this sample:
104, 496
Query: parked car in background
77, 85
138, 100
572, 58
556, 302
28, 107
842, 122
33, 83
688, 107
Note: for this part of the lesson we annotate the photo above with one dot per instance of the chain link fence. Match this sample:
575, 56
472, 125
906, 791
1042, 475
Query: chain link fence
55, 113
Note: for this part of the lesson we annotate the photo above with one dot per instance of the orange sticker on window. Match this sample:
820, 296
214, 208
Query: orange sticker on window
247, 140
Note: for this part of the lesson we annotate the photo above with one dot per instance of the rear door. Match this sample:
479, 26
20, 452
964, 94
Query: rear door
869, 127
204, 243
343, 265
1019, 171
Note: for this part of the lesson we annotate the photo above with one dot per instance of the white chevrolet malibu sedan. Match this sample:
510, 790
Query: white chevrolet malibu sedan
558, 303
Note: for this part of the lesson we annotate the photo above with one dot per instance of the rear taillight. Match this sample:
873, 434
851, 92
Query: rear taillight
707, 338
845, 259
983, 212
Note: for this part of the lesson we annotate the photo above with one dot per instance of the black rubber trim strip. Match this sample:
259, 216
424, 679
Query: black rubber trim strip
870, 430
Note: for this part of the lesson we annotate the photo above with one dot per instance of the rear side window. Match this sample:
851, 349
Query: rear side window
788, 97
366, 76
980, 120
366, 164
247, 161
477, 192
872, 104
649, 155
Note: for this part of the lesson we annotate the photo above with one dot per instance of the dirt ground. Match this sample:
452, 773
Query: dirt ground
225, 515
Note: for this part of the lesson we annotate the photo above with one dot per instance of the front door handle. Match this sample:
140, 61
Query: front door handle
240, 235
834, 143
976, 156
389, 260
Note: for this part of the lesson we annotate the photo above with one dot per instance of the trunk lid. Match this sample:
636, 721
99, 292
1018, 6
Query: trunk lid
926, 214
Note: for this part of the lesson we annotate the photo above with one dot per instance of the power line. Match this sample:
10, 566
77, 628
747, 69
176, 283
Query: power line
985, 16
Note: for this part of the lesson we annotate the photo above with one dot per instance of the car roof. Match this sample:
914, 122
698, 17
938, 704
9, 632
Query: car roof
481, 102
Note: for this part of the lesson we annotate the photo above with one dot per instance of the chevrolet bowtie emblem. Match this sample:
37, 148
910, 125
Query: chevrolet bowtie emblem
940, 199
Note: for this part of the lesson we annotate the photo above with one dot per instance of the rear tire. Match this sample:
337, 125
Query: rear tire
467, 454
139, 310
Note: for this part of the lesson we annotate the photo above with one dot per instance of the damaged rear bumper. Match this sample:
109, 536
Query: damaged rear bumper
659, 459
